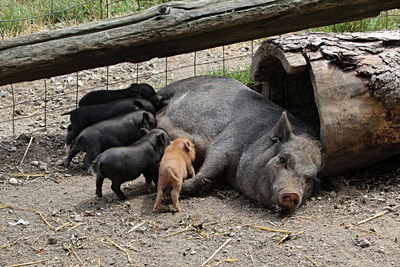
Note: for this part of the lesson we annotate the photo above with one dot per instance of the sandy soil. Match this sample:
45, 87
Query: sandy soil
66, 225
59, 221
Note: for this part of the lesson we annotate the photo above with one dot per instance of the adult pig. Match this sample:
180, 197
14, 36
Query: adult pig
241, 136
120, 131
85, 116
134, 90
121, 164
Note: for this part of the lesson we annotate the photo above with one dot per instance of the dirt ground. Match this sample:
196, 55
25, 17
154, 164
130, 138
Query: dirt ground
49, 215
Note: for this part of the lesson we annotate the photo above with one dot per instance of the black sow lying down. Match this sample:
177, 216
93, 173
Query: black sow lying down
120, 131
135, 90
262, 152
85, 116
122, 164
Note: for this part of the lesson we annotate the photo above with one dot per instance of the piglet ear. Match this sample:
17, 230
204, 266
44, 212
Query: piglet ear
146, 117
160, 139
143, 131
186, 145
283, 129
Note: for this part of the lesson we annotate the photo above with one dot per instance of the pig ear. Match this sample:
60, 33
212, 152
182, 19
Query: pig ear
283, 129
143, 131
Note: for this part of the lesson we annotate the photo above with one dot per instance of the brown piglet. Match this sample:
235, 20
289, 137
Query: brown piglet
176, 165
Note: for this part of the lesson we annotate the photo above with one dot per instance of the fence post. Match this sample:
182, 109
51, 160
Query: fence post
166, 70
107, 71
194, 63
1, 32
45, 105
77, 90
13, 109
52, 14
223, 60
386, 23
137, 72
101, 9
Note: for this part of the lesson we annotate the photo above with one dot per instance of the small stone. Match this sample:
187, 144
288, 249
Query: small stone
23, 137
364, 243
13, 181
13, 149
59, 162
193, 252
59, 89
19, 222
381, 250
4, 94
388, 208
71, 81
42, 166
80, 83
35, 163
78, 218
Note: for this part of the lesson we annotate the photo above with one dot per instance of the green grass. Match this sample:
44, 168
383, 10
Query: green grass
63, 16
96, 10
387, 20
240, 74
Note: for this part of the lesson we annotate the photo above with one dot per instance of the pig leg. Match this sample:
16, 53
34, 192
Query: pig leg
99, 184
116, 187
176, 189
213, 165
158, 199
151, 175
87, 160
71, 155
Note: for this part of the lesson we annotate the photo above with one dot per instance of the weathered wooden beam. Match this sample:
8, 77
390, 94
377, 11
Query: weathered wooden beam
349, 90
170, 29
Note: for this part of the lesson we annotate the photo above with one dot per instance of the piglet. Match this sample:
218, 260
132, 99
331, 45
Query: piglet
134, 90
176, 165
119, 131
121, 164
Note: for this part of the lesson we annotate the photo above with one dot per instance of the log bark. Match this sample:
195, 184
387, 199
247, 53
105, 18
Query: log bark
170, 29
353, 84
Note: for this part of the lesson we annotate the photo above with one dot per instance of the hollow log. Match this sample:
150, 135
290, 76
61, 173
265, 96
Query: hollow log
346, 86
169, 29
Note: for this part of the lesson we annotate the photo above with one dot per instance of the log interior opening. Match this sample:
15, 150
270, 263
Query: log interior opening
293, 92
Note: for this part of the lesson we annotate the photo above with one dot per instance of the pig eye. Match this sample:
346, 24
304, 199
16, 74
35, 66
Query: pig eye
282, 160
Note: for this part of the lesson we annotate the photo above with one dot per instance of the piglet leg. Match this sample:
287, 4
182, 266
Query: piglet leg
116, 187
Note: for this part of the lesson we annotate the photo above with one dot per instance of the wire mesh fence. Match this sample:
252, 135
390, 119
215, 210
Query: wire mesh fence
30, 107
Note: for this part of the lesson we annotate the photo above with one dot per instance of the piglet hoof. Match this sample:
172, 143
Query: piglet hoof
91, 172
66, 163
176, 209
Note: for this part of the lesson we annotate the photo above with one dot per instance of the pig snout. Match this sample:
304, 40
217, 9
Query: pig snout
289, 200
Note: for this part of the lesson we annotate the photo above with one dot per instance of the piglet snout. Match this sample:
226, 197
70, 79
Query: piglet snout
289, 200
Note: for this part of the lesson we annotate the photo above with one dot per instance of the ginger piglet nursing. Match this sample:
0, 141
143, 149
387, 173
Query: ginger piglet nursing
176, 165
